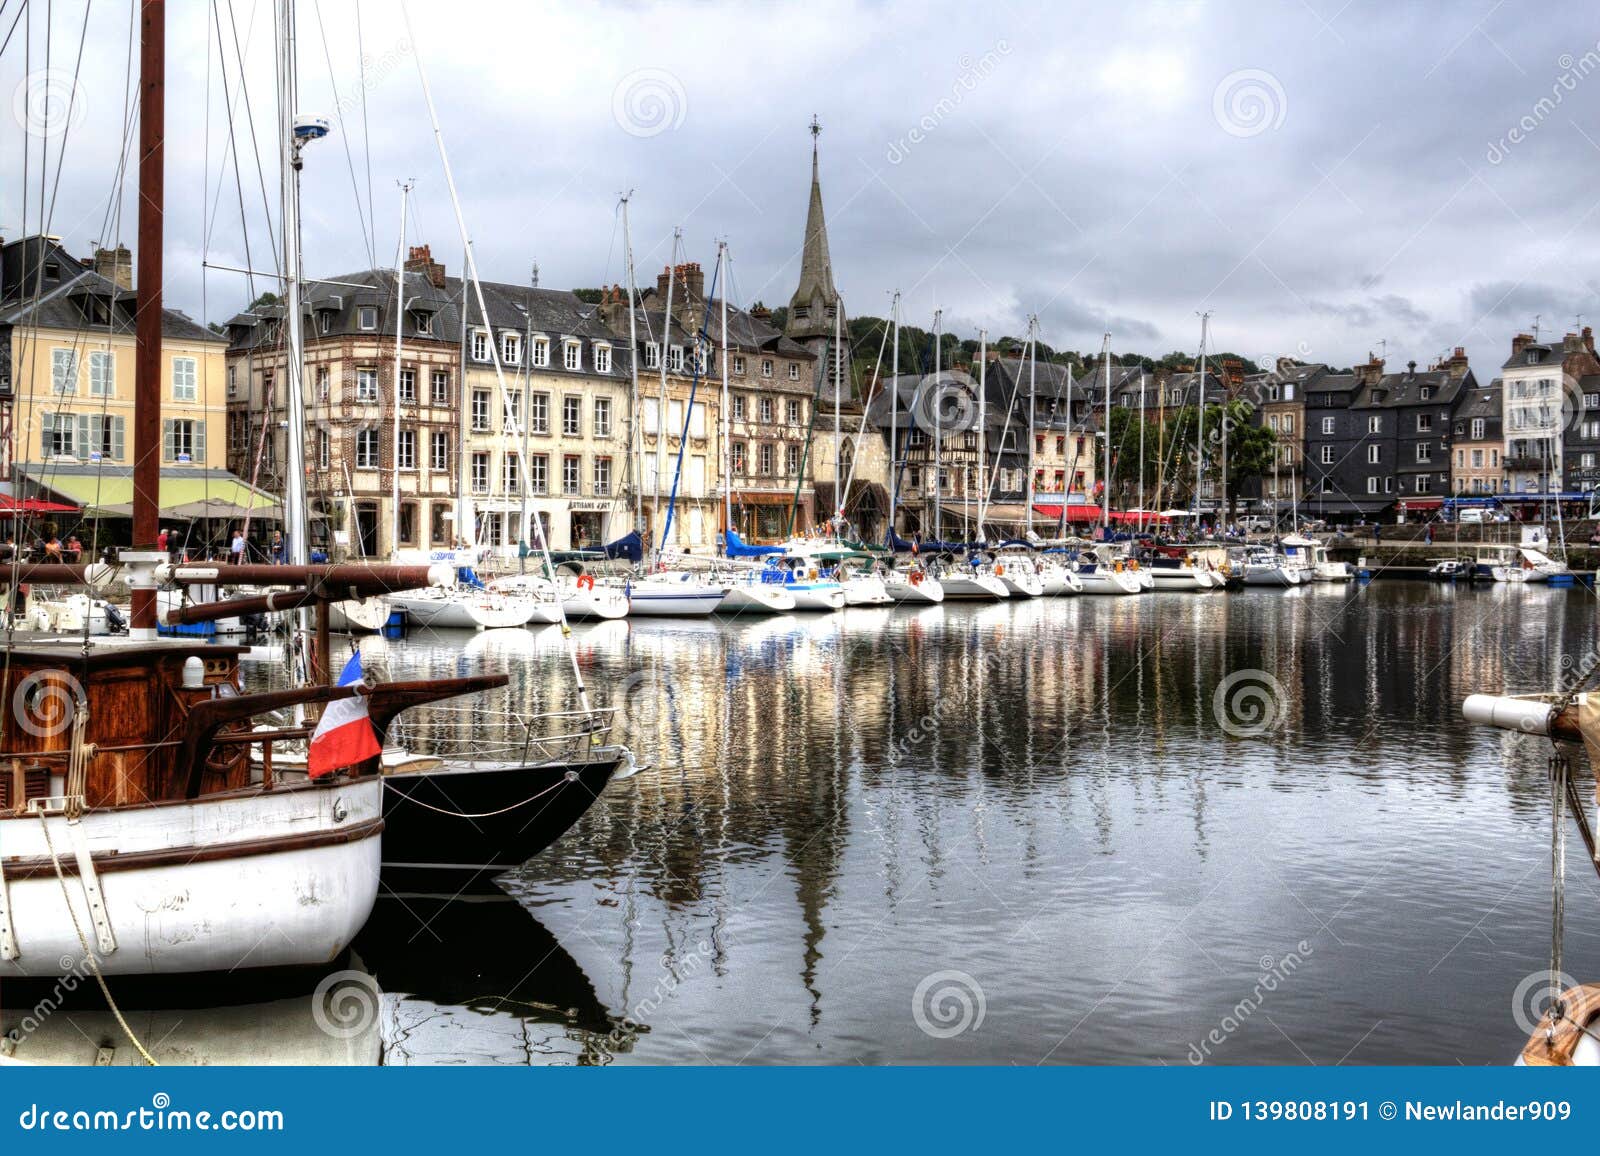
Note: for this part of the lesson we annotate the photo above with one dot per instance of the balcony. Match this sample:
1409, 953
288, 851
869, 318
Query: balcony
1526, 462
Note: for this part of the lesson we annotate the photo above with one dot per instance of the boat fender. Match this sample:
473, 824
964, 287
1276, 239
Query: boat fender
585, 581
999, 570
812, 574
1117, 566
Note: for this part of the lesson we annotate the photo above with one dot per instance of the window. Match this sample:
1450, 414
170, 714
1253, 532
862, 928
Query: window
1424, 423
1533, 357
183, 440
793, 410
441, 387
480, 410
602, 477
736, 457
572, 416
1586, 461
541, 352
480, 345
571, 473
675, 359
738, 366
794, 371
1477, 459
602, 357
183, 379
367, 317
1589, 431
1424, 392
539, 473
1374, 424
1374, 454
408, 387
101, 436
511, 473
439, 451
1424, 483
1327, 425
766, 459
766, 367
367, 449
1372, 485
324, 450
1388, 484
233, 384
1477, 429
327, 321
652, 355
511, 348
572, 355
424, 322
63, 371
102, 373
366, 385
322, 383
408, 522
602, 417
406, 454
539, 413
511, 418
1288, 423
55, 437
791, 459
480, 473
738, 407
766, 409
1272, 422
1424, 451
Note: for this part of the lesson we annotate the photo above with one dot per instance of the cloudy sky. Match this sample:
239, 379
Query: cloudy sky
1321, 176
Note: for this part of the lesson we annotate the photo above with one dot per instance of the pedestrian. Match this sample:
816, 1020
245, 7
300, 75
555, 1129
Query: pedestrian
279, 554
1428, 534
74, 548
162, 540
1377, 533
52, 549
236, 550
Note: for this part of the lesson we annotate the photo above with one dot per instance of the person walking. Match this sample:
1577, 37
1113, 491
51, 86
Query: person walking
236, 550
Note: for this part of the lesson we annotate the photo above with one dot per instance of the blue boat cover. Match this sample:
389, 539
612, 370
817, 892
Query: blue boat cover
738, 548
629, 546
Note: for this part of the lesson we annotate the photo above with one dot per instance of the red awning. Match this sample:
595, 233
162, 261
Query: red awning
10, 505
1087, 513
1422, 504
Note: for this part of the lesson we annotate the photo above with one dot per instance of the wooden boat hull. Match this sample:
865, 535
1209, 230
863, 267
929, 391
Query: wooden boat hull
452, 828
242, 879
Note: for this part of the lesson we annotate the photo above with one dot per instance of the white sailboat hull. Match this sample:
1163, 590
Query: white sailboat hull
1193, 580
756, 598
927, 590
464, 612
1104, 581
1257, 575
1058, 581
674, 599
1334, 572
598, 602
817, 596
962, 585
865, 590
248, 879
358, 616
1021, 583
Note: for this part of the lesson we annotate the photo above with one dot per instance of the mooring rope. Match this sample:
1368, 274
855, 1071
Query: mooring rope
88, 955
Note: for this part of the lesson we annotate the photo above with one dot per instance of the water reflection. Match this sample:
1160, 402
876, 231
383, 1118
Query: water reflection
1039, 797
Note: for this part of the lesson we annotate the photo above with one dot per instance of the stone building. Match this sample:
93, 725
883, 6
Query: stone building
1544, 399
1477, 442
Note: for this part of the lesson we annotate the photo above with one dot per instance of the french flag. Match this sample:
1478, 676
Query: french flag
344, 737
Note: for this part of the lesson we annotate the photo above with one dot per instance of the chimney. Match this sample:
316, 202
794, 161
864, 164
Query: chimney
760, 312
115, 265
1456, 363
1588, 340
1411, 369
1371, 372
421, 260
1520, 342
1571, 343
614, 310
691, 281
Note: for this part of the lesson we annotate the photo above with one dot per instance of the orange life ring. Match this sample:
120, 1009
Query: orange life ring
585, 581
916, 577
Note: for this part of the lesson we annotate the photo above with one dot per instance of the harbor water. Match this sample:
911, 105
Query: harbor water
1171, 829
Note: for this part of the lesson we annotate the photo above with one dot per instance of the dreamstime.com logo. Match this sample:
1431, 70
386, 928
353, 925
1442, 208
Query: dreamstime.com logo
48, 102
1248, 703
1530, 1003
45, 702
345, 1004
947, 1004
649, 101
1249, 102
947, 402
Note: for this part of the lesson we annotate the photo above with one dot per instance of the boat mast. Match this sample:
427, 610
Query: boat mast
147, 356
983, 431
661, 417
1200, 429
838, 380
727, 465
938, 428
1141, 447
464, 516
637, 441
1105, 484
524, 410
894, 406
1033, 365
399, 329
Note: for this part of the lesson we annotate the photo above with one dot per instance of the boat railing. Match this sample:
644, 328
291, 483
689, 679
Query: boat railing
543, 737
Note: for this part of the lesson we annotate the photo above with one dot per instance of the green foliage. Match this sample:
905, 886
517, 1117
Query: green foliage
589, 296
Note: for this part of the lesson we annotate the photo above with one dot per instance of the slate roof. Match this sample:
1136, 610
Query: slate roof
1398, 390
1546, 353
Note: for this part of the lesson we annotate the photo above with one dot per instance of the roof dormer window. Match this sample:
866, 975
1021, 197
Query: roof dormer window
1533, 357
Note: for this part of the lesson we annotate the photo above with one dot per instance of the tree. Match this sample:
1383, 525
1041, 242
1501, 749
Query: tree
589, 296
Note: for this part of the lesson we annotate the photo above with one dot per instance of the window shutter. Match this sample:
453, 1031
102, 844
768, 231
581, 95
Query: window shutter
116, 437
200, 442
83, 446
168, 441
46, 429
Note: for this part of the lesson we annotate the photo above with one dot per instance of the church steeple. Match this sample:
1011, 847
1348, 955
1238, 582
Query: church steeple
815, 300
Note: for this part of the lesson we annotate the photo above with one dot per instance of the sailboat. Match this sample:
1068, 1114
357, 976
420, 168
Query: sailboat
911, 582
133, 834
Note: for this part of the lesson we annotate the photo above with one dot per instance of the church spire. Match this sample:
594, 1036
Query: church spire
812, 307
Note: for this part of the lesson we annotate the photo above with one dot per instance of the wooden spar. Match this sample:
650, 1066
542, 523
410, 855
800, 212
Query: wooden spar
367, 579
257, 604
147, 355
